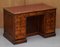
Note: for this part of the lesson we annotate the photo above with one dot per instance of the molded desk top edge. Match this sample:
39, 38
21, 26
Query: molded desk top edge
28, 8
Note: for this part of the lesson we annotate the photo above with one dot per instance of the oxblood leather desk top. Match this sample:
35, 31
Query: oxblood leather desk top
28, 8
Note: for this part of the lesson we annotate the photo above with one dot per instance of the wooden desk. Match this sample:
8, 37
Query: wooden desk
23, 21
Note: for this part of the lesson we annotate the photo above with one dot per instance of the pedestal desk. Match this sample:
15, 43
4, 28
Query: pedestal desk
23, 21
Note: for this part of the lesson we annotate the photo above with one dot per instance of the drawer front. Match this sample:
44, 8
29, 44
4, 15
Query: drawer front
20, 31
49, 22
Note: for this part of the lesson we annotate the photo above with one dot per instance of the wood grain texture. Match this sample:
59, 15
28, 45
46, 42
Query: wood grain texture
18, 26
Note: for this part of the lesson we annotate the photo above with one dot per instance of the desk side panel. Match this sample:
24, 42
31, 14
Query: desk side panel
9, 32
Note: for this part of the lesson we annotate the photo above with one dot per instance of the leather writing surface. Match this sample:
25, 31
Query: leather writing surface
28, 8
